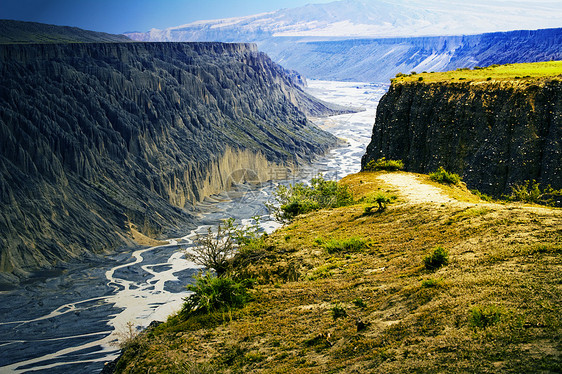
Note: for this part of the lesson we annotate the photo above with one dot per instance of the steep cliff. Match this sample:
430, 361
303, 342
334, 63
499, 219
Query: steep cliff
494, 133
96, 136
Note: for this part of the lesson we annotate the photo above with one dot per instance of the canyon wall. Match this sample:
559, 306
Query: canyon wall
493, 133
97, 136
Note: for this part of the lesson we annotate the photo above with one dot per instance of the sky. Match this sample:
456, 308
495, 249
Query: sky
118, 16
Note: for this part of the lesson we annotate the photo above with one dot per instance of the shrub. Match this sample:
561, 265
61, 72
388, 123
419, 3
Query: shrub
353, 244
530, 192
359, 303
384, 164
381, 198
130, 338
439, 257
420, 79
484, 316
338, 312
432, 283
214, 294
482, 196
442, 176
214, 250
291, 201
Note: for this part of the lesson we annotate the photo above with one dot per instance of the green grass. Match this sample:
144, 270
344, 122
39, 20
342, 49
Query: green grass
443, 176
495, 308
529, 71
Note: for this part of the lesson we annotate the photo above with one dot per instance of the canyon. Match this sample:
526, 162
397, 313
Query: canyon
102, 139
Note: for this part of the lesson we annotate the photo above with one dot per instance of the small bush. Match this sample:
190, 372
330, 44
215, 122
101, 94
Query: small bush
214, 294
530, 192
439, 257
384, 164
359, 303
338, 312
291, 201
482, 196
432, 283
420, 79
353, 244
381, 199
442, 176
484, 316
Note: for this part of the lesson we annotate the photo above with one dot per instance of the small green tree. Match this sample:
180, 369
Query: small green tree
214, 249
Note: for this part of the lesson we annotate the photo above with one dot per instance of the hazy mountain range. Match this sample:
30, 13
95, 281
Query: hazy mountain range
373, 19
387, 37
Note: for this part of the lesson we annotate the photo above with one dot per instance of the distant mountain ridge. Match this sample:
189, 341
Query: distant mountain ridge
21, 32
369, 19
354, 40
380, 59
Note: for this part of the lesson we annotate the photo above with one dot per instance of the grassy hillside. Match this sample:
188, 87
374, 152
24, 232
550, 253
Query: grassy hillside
19, 32
375, 307
531, 71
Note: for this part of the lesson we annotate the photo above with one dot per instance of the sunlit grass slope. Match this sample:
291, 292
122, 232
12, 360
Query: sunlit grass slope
374, 307
530, 71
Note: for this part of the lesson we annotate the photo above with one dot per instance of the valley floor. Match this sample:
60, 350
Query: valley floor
494, 308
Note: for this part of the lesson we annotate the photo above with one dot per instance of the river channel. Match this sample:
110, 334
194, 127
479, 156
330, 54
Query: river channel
69, 322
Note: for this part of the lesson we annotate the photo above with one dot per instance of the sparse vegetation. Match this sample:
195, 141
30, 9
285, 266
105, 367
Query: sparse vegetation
430, 283
353, 244
437, 258
384, 164
443, 176
531, 192
496, 308
291, 201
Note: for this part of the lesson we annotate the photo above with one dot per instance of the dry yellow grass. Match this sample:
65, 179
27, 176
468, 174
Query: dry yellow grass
505, 262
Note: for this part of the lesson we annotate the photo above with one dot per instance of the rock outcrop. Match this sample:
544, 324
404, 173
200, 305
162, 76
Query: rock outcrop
493, 133
94, 137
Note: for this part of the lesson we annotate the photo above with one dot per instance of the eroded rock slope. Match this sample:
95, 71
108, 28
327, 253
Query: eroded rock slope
94, 137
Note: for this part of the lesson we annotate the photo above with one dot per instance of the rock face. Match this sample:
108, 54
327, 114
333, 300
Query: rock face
494, 134
94, 137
